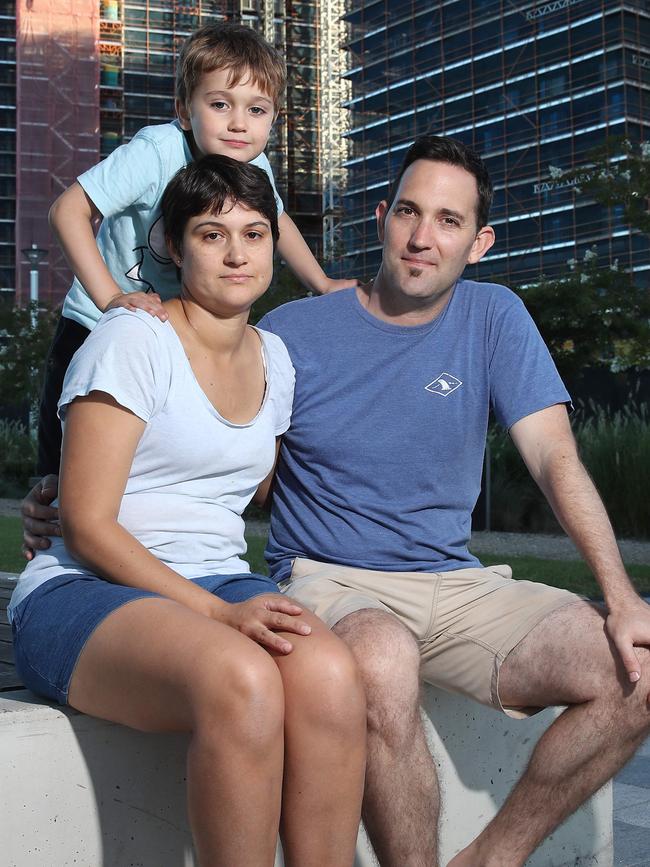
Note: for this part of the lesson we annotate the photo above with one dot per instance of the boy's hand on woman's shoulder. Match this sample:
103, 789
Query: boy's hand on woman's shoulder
150, 302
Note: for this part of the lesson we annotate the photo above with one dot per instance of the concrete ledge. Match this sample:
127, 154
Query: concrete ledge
480, 755
84, 792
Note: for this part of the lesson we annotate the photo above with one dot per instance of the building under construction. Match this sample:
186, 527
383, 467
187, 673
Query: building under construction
530, 84
82, 76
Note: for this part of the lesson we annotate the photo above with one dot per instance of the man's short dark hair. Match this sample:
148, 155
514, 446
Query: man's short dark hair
442, 149
207, 185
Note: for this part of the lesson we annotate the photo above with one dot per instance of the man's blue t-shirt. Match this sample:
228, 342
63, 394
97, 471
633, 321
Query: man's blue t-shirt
381, 466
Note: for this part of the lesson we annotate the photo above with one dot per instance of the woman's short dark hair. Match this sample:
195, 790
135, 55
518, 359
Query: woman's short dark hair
205, 186
449, 150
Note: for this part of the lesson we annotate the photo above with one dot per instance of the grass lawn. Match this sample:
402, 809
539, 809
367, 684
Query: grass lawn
570, 574
11, 560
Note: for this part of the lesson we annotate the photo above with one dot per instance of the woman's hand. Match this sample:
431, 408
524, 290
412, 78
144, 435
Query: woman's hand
261, 617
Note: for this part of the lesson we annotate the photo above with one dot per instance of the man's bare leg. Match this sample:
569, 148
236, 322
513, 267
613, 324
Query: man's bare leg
566, 659
400, 806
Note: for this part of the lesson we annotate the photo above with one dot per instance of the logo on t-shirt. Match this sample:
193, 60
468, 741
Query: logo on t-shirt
444, 384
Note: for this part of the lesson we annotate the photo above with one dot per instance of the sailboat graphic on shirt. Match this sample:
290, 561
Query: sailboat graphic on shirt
444, 384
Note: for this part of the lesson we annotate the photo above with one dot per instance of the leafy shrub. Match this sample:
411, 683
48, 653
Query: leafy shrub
17, 458
615, 448
24, 341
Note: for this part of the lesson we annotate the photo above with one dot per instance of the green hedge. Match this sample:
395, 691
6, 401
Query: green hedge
615, 448
17, 458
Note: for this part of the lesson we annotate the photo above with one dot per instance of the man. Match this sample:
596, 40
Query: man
374, 491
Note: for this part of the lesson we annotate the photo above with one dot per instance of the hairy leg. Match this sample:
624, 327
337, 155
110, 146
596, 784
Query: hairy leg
400, 805
155, 665
325, 750
566, 659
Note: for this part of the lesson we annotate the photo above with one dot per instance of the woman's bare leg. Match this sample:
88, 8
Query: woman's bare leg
155, 665
325, 750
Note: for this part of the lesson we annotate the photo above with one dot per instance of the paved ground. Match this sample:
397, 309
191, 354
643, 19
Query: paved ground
549, 547
9, 507
632, 785
632, 812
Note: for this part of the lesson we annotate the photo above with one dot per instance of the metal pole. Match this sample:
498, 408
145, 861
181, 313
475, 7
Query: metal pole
488, 488
34, 256
33, 295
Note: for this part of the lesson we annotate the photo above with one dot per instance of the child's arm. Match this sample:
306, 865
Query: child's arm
294, 250
71, 218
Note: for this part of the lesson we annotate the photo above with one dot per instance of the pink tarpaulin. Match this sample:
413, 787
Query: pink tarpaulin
57, 123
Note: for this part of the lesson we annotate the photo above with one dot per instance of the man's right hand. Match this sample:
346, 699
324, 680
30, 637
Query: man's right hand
40, 519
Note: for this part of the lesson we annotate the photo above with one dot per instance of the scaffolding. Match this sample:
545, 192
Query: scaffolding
57, 123
333, 145
108, 69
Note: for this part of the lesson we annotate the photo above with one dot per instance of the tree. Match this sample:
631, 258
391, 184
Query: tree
24, 342
618, 174
592, 316
596, 315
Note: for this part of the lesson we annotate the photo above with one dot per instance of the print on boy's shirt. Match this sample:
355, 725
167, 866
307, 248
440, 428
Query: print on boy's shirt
156, 248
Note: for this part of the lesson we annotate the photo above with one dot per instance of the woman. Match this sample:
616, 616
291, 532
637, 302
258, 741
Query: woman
169, 429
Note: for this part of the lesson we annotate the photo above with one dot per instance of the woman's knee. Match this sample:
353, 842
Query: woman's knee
240, 692
324, 682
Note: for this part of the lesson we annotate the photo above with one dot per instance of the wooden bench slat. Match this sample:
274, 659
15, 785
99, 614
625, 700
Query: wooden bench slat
6, 653
9, 680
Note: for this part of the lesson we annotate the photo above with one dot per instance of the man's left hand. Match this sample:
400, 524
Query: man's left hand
628, 625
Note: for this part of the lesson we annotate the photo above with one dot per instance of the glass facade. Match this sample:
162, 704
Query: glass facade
529, 85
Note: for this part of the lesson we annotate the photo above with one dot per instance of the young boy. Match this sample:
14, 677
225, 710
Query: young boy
229, 87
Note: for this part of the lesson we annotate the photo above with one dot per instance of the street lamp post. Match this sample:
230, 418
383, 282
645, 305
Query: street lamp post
34, 255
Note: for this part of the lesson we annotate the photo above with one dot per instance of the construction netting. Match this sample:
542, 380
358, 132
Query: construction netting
57, 124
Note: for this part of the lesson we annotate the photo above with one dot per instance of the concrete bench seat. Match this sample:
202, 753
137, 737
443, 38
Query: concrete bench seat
79, 791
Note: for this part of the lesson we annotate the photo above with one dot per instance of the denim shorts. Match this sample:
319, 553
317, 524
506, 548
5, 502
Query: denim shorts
52, 625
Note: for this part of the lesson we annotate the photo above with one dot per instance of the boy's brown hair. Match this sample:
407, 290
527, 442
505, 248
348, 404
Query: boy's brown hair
236, 48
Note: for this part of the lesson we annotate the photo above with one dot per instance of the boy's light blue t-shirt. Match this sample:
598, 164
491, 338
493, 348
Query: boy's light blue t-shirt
381, 467
127, 188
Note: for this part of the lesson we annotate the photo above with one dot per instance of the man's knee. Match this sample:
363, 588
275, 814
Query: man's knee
388, 658
569, 658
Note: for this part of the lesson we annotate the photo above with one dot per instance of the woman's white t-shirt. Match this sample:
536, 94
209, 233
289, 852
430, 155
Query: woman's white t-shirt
194, 471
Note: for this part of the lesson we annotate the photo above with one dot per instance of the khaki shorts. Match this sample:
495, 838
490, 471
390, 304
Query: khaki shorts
466, 621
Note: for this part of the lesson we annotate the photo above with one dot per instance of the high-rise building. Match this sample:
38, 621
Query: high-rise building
7, 143
530, 84
93, 72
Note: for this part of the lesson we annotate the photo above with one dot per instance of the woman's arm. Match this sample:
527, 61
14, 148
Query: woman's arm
98, 447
